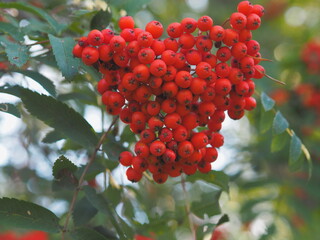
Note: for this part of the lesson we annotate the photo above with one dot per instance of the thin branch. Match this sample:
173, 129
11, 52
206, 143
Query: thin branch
82, 177
187, 208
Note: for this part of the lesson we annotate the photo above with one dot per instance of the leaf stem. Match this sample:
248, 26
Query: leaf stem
82, 177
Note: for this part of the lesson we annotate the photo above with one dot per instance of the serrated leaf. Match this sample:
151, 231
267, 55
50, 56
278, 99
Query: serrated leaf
85, 233
12, 30
56, 114
217, 178
278, 142
280, 124
62, 50
83, 212
10, 108
57, 27
61, 165
103, 206
101, 20
295, 150
16, 213
267, 102
17, 54
46, 83
52, 137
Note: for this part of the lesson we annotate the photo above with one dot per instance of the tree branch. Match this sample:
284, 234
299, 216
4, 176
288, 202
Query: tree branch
82, 177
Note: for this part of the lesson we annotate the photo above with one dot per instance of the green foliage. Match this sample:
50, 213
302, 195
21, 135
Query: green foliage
10, 29
63, 166
22, 214
58, 115
83, 212
295, 151
267, 102
85, 233
62, 49
17, 54
280, 124
101, 20
131, 6
57, 27
46, 83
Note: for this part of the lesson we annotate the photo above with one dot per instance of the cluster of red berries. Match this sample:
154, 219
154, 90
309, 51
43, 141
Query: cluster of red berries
310, 55
165, 89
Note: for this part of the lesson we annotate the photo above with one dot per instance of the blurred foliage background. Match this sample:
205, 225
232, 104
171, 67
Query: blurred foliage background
267, 199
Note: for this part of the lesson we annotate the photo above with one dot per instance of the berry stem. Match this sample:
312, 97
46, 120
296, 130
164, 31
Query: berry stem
272, 78
82, 177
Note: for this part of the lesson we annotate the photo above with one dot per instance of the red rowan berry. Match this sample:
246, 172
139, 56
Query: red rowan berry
155, 124
199, 140
217, 140
184, 96
126, 115
145, 39
189, 169
77, 51
126, 22
206, 108
170, 89
158, 47
155, 28
155, 82
204, 43
141, 73
146, 55
231, 37
238, 20
183, 79
190, 121
139, 118
107, 35
239, 50
117, 43
185, 149
165, 135
170, 74
180, 133
223, 54
160, 177
157, 148
121, 59
171, 44
95, 37
217, 33
245, 35
168, 106
125, 158
205, 23
250, 103
211, 155
236, 114
193, 57
187, 41
203, 69
174, 29
153, 108
222, 69
158, 68
198, 86
139, 164
253, 47
169, 156
90, 55
169, 57
258, 9
189, 25
141, 149
172, 120
210, 58
245, 7
142, 94
204, 167
128, 34
253, 21
133, 175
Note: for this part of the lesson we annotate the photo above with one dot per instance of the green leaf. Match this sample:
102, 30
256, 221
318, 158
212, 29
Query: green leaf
225, 218
266, 120
62, 50
280, 124
267, 102
207, 199
17, 54
37, 11
56, 114
12, 31
101, 20
83, 212
103, 206
52, 137
10, 108
295, 150
61, 166
131, 6
278, 142
46, 83
85, 233
217, 178
16, 213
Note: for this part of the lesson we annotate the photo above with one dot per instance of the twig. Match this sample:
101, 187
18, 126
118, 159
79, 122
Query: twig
187, 207
82, 177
